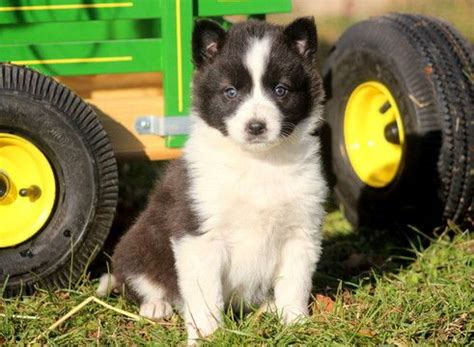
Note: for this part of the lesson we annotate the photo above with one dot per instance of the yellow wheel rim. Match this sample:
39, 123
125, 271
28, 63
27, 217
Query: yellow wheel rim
373, 134
27, 190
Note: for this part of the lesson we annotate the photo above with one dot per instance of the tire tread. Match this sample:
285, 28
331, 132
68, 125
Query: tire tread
82, 116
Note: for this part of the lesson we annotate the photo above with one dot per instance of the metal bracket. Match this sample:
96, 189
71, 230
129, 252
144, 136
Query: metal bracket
163, 126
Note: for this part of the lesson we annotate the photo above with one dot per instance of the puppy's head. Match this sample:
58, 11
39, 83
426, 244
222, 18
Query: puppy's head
257, 82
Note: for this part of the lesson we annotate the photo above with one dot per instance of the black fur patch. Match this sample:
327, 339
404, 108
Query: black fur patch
146, 248
291, 62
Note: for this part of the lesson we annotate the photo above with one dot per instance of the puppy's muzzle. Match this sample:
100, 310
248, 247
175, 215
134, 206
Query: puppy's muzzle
256, 128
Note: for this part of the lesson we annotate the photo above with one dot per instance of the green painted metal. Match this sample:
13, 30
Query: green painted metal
27, 11
81, 37
208, 8
125, 29
119, 56
178, 16
176, 141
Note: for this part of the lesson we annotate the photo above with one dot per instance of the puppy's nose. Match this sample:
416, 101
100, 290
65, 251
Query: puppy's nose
256, 127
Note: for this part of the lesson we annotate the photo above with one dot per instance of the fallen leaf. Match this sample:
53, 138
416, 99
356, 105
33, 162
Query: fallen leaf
95, 334
323, 303
367, 332
63, 295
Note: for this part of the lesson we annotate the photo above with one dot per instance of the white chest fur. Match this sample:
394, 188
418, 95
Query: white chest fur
252, 204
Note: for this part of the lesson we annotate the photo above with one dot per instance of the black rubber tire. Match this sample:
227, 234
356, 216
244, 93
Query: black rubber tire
428, 66
68, 132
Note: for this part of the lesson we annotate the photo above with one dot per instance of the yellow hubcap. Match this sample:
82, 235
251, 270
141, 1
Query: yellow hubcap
27, 190
373, 134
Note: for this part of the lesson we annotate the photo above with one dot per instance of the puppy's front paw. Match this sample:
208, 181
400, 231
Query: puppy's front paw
293, 314
156, 310
201, 327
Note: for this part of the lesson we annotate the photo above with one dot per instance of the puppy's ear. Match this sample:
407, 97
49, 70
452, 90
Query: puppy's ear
208, 38
302, 36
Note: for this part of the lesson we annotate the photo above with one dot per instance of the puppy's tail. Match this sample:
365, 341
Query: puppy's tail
107, 283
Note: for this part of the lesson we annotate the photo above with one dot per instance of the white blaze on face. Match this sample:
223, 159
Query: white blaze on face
257, 106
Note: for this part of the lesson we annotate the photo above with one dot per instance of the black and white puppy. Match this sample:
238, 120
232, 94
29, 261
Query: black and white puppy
239, 215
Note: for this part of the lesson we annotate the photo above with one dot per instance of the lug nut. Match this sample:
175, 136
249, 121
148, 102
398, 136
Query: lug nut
34, 192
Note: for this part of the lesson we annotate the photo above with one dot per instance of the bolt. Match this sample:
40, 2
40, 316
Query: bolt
144, 124
33, 192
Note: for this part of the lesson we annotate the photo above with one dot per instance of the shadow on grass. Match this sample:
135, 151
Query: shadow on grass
354, 257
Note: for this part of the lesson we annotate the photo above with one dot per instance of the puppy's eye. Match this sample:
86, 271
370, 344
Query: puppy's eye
231, 92
280, 90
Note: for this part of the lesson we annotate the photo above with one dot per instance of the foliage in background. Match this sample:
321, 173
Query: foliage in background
335, 17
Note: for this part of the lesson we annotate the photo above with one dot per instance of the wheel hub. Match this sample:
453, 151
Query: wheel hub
4, 185
27, 190
373, 134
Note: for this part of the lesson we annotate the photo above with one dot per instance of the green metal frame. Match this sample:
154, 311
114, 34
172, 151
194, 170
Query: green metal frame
85, 37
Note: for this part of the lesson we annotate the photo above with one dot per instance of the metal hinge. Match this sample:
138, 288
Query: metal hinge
163, 126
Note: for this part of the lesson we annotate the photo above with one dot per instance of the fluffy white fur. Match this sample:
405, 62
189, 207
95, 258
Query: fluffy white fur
257, 106
107, 283
261, 213
153, 305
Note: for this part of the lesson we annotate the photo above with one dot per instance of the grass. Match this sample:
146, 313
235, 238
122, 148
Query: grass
372, 288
